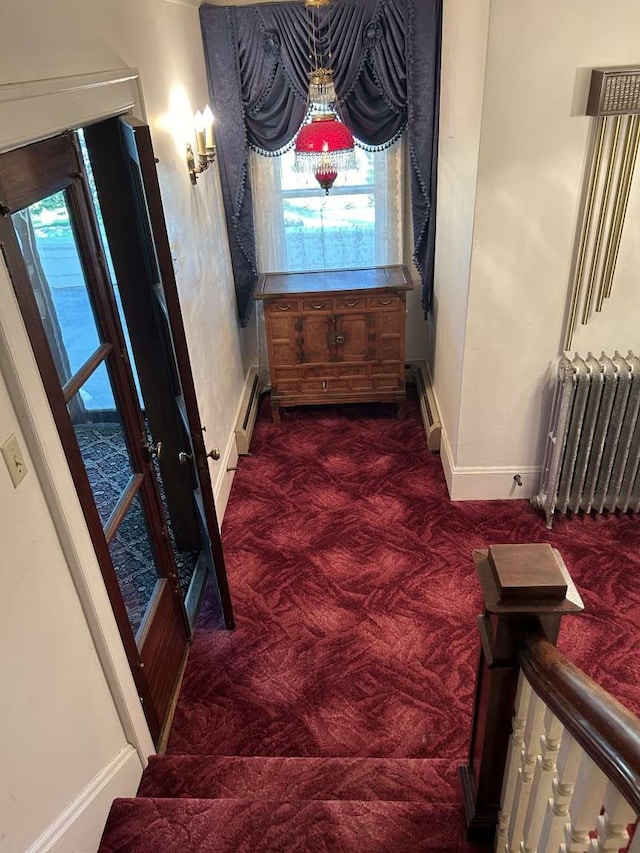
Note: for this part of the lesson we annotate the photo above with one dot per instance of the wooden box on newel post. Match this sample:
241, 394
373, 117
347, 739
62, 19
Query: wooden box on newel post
521, 584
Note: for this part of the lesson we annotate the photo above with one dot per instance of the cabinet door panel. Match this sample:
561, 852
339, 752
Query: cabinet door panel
316, 339
283, 340
354, 328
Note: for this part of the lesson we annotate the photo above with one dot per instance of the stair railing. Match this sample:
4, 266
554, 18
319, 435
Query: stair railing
572, 774
565, 775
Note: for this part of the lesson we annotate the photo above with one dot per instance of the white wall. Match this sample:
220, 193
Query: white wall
63, 751
58, 724
533, 146
464, 49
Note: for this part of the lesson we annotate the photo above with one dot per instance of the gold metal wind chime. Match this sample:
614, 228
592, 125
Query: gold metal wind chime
614, 101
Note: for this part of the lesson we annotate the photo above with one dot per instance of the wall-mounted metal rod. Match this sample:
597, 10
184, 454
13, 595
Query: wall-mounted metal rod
602, 216
628, 180
586, 229
615, 228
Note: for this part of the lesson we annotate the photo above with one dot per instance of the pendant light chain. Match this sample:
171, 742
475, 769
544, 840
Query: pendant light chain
324, 145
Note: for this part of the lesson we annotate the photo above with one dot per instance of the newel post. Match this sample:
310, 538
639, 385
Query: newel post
518, 582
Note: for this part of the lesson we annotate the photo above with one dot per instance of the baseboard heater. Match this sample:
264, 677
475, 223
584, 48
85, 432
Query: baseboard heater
248, 413
592, 453
419, 374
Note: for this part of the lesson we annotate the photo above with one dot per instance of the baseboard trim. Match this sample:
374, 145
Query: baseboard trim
421, 376
222, 489
229, 459
79, 827
487, 484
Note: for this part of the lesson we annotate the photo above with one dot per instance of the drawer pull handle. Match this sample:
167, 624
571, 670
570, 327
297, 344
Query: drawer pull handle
384, 301
351, 304
339, 339
283, 307
317, 307
324, 384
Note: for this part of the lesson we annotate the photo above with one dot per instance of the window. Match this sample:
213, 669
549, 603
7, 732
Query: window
299, 227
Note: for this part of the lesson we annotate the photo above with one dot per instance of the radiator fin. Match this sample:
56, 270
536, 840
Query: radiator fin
592, 455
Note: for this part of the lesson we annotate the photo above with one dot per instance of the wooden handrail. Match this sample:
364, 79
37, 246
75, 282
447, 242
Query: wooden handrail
607, 731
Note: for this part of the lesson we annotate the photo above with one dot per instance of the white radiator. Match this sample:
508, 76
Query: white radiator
592, 453
419, 373
248, 413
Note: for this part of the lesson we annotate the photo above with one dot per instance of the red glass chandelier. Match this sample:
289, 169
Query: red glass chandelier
324, 145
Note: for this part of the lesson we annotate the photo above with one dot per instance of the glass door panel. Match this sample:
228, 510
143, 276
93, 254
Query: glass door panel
133, 559
50, 250
104, 448
51, 255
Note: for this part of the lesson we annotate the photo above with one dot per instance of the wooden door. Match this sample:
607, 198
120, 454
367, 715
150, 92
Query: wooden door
354, 337
124, 170
69, 308
316, 343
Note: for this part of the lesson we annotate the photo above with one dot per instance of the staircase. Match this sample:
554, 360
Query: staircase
225, 804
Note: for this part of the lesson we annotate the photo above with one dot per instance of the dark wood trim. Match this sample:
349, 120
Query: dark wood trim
71, 388
607, 731
35, 172
51, 381
122, 507
137, 140
502, 572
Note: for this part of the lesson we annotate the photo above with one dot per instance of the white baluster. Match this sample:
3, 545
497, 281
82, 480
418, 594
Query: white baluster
516, 742
532, 734
612, 825
586, 803
541, 788
562, 788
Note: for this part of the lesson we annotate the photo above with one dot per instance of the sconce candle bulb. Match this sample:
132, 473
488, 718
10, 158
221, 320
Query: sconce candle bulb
207, 117
200, 133
205, 144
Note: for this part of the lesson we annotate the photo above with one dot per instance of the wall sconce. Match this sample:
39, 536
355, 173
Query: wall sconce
203, 122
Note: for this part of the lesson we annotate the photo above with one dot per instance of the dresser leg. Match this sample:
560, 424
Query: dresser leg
275, 414
402, 410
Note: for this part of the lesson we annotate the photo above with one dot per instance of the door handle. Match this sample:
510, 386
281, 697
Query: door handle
338, 339
214, 454
183, 457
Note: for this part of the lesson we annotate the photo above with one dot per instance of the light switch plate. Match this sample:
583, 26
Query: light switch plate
14, 460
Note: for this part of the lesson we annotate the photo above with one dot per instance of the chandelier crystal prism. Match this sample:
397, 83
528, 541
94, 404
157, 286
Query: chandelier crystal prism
324, 145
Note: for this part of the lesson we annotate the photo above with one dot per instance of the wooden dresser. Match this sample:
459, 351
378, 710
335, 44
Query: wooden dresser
336, 337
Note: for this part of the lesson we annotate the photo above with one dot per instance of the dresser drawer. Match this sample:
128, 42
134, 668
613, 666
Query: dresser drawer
324, 386
317, 306
280, 306
350, 303
385, 301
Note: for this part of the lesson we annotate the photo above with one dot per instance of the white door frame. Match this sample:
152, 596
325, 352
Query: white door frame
29, 112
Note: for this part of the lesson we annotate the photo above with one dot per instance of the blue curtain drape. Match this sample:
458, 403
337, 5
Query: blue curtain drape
386, 60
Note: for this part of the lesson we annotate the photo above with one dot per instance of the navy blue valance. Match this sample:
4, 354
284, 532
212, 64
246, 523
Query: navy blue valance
385, 55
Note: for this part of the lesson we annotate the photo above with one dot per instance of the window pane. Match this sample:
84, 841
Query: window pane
103, 444
364, 175
329, 232
134, 562
52, 259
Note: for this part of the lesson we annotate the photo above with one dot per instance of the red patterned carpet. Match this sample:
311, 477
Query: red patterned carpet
355, 597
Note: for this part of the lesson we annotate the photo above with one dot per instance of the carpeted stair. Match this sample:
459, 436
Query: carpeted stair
223, 804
